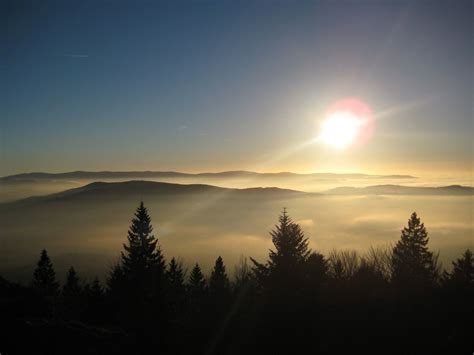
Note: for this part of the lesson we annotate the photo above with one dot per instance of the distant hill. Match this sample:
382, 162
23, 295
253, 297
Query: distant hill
402, 190
101, 175
102, 191
138, 189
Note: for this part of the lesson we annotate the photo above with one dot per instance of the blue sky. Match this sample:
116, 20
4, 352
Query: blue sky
208, 86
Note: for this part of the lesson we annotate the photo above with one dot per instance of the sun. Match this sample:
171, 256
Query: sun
340, 129
347, 122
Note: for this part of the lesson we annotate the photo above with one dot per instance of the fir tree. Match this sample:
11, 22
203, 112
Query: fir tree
316, 269
71, 295
413, 264
197, 283
116, 281
136, 283
96, 289
462, 274
96, 306
219, 282
44, 277
285, 265
72, 285
142, 256
176, 291
175, 276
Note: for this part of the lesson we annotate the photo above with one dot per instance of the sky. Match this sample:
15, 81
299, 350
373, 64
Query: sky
234, 85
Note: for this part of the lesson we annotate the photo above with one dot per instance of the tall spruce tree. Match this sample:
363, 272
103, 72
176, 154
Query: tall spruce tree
219, 285
142, 258
176, 290
136, 282
219, 282
285, 265
96, 305
72, 285
462, 274
44, 277
197, 283
175, 275
413, 265
71, 295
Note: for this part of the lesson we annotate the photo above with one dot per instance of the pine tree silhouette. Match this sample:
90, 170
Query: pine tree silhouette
197, 283
316, 269
462, 274
176, 290
45, 284
44, 277
283, 280
219, 285
142, 257
72, 285
175, 274
413, 264
116, 280
96, 289
136, 283
96, 306
285, 265
71, 296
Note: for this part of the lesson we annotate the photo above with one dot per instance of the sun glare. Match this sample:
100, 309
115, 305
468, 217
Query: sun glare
347, 122
340, 129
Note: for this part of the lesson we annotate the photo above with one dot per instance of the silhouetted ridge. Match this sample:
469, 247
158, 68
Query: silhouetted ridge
140, 189
402, 190
98, 175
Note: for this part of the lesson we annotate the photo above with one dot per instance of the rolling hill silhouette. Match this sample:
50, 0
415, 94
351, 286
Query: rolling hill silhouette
402, 190
100, 175
138, 189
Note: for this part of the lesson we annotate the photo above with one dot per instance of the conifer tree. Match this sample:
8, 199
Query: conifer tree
462, 274
219, 285
196, 295
176, 290
413, 264
96, 289
197, 283
71, 295
72, 286
285, 265
136, 283
175, 276
316, 269
142, 257
44, 277
116, 280
96, 307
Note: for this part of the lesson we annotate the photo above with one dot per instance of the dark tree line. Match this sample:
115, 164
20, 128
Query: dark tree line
388, 301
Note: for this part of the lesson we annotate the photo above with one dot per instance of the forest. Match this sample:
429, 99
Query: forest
396, 300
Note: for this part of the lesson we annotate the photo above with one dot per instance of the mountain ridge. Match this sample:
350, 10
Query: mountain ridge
175, 174
401, 190
142, 188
